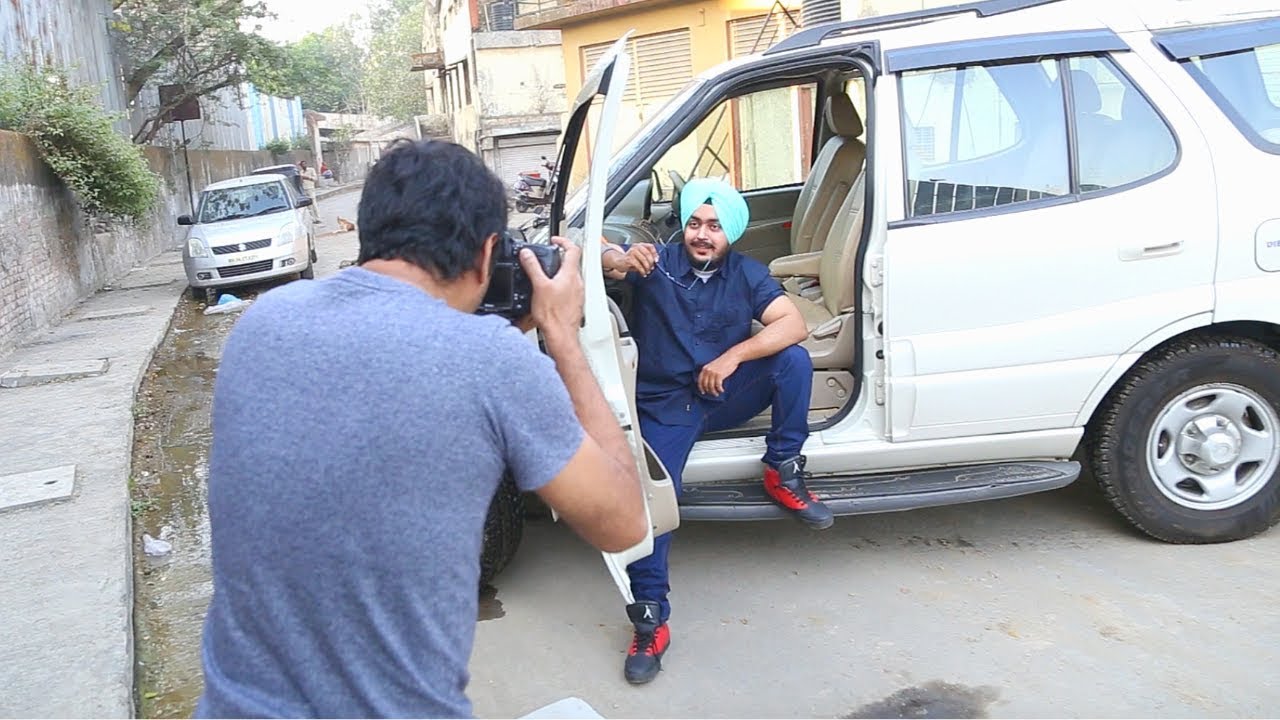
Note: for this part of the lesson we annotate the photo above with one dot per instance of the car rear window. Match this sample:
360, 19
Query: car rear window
1246, 85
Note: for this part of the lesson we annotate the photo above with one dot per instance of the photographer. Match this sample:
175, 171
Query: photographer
361, 425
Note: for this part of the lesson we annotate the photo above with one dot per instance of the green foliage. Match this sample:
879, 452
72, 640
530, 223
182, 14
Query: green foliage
323, 69
331, 72
76, 138
301, 141
278, 146
200, 45
391, 89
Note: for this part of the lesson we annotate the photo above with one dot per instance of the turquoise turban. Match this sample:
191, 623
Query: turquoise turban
731, 209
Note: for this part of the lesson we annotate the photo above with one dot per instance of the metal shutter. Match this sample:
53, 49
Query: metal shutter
514, 155
820, 11
754, 35
662, 64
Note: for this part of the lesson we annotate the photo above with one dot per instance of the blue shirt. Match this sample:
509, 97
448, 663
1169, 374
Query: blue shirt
681, 323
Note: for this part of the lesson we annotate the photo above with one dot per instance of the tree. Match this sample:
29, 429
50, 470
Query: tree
390, 87
200, 45
323, 69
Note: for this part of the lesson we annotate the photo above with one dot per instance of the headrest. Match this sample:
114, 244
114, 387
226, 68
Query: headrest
1085, 92
842, 116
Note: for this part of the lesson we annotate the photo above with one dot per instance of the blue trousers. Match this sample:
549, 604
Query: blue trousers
782, 381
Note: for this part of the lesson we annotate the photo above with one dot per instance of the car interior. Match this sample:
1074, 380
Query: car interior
808, 232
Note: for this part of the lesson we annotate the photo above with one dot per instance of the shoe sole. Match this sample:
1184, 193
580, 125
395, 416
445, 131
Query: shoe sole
650, 678
819, 526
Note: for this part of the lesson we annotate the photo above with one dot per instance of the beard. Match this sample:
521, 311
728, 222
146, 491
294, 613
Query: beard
704, 249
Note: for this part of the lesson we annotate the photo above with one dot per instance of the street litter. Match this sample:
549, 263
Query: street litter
227, 304
154, 547
346, 225
570, 707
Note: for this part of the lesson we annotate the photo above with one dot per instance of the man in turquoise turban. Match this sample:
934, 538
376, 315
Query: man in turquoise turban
701, 370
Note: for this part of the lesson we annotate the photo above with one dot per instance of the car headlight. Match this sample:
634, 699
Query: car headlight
196, 248
288, 234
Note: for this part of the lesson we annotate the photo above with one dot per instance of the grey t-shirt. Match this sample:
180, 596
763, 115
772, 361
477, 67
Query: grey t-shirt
360, 428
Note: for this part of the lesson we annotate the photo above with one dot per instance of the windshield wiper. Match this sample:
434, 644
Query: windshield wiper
278, 208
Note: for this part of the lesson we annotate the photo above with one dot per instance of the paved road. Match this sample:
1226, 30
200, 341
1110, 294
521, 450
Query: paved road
1044, 606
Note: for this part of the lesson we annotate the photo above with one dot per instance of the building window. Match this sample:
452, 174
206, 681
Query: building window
466, 81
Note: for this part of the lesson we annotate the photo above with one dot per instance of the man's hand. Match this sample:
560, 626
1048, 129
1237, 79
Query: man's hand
640, 258
556, 308
711, 379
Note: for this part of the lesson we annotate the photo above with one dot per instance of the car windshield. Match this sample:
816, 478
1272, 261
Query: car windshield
242, 202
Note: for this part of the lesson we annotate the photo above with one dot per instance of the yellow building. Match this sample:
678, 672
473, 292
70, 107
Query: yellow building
671, 42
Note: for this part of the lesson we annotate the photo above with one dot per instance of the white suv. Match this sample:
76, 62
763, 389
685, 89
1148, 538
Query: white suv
1026, 235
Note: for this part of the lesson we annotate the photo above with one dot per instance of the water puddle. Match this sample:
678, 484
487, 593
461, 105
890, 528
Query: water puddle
931, 700
170, 467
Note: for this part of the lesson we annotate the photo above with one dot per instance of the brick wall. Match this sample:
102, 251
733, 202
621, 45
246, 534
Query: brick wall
50, 257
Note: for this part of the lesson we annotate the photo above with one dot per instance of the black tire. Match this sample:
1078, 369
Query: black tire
1118, 436
210, 296
503, 530
521, 206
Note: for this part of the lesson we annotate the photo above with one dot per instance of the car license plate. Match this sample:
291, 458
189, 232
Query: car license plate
243, 258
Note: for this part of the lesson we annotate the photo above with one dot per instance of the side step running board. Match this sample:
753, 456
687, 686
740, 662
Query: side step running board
864, 494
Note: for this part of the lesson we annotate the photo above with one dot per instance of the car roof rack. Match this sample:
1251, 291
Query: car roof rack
810, 37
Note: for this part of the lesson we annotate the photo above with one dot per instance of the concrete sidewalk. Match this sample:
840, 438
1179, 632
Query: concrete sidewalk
66, 642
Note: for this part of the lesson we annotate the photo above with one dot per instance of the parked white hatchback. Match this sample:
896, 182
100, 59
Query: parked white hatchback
247, 229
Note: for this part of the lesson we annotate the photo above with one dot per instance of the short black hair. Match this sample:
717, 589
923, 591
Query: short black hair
430, 203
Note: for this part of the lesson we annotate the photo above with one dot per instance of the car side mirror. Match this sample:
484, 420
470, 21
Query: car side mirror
305, 202
185, 220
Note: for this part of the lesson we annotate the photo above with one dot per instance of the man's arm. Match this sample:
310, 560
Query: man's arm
598, 491
784, 326
617, 261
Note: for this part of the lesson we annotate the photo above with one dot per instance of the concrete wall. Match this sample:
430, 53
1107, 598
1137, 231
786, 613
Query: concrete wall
50, 257
520, 73
69, 34
850, 9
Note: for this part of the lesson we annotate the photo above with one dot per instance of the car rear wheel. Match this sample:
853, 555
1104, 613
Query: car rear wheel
1187, 447
503, 530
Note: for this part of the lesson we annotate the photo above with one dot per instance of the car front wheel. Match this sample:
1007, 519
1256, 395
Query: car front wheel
1187, 447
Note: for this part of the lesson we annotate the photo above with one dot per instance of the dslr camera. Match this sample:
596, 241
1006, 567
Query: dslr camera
510, 290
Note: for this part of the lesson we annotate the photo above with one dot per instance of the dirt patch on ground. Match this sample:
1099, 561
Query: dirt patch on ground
169, 499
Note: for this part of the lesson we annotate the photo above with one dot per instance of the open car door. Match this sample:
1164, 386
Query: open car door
609, 348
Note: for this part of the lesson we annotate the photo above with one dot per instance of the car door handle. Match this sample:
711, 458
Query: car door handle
1150, 251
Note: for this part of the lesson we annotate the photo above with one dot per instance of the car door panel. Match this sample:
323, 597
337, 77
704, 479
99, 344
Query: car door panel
1031, 307
768, 235
610, 353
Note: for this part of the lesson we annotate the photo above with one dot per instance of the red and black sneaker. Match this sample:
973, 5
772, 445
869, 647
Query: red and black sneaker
785, 484
651, 640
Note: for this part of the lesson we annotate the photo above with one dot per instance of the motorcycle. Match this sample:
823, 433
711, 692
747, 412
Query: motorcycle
532, 190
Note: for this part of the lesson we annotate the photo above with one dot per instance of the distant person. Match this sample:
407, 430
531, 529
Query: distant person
347, 524
308, 175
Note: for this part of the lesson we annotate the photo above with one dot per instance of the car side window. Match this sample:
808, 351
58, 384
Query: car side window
1120, 137
983, 136
1246, 84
